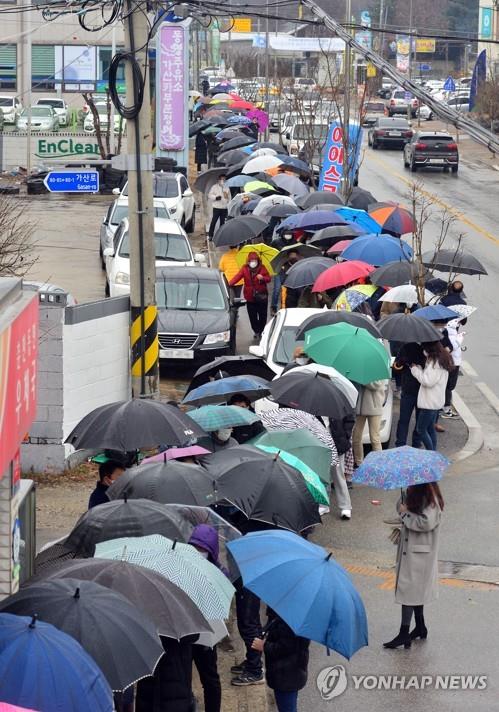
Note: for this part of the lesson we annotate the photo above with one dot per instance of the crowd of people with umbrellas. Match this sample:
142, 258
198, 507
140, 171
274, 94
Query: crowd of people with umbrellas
214, 499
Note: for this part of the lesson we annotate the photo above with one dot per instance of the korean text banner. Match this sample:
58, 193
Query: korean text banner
171, 89
334, 162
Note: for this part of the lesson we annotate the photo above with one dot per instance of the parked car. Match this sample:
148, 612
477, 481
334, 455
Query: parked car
171, 246
117, 211
435, 149
58, 105
102, 110
196, 318
372, 112
398, 103
177, 195
424, 112
460, 103
11, 108
389, 132
276, 348
40, 118
301, 133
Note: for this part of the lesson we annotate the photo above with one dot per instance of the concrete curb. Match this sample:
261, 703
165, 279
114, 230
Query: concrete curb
475, 439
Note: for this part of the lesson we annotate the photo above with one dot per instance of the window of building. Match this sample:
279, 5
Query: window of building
43, 68
8, 66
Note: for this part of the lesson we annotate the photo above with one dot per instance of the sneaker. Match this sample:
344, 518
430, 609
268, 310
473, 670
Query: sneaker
346, 514
247, 678
449, 414
238, 668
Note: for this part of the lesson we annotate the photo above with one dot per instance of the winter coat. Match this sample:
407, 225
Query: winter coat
201, 150
99, 495
243, 433
409, 354
252, 285
433, 382
219, 196
286, 656
372, 398
341, 432
170, 688
228, 265
417, 557
452, 299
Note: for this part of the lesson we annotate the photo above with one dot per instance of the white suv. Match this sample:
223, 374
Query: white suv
398, 103
11, 108
58, 105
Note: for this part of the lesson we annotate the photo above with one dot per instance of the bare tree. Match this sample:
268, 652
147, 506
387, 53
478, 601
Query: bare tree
103, 132
17, 247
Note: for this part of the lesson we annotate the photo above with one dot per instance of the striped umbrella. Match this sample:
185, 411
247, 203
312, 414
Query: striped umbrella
180, 563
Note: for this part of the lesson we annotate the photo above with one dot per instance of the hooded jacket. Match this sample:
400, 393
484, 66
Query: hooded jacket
252, 285
205, 537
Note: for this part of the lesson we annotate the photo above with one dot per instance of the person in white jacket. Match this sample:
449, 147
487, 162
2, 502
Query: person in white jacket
370, 409
431, 397
219, 197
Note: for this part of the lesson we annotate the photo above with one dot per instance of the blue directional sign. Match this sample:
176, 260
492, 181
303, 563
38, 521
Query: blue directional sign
72, 181
450, 84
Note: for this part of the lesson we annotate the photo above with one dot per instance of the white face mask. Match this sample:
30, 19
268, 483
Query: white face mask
302, 360
224, 434
253, 264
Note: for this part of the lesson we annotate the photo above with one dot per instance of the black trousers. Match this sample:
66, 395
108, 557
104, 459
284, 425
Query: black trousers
218, 214
451, 384
257, 313
205, 660
249, 627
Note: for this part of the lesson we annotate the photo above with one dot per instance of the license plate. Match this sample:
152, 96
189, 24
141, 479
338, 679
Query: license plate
176, 353
436, 160
394, 133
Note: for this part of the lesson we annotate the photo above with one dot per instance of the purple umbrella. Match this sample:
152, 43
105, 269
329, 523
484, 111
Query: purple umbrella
261, 118
174, 453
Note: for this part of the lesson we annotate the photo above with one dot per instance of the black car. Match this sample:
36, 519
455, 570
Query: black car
196, 320
388, 131
434, 149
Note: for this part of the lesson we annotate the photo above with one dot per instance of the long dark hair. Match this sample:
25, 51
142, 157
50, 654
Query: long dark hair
436, 353
420, 496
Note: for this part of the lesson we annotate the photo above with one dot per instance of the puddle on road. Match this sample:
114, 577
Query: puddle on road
469, 572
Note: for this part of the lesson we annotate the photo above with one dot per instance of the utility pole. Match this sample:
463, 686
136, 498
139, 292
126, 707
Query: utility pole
346, 103
112, 142
267, 65
26, 75
409, 68
143, 316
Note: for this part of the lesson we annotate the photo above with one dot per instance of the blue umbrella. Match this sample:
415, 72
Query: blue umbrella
243, 120
236, 181
436, 312
295, 163
248, 149
312, 221
43, 668
221, 390
360, 217
377, 250
304, 586
222, 416
400, 467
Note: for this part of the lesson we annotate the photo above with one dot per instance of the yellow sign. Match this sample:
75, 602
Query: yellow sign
241, 24
371, 70
425, 45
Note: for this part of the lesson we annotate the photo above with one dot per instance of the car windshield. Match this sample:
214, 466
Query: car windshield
189, 295
375, 106
286, 344
167, 247
314, 131
164, 187
394, 123
43, 111
121, 211
399, 95
438, 139
6, 101
54, 103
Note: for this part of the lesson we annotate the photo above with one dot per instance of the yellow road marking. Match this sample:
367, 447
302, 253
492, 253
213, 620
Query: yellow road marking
388, 583
431, 196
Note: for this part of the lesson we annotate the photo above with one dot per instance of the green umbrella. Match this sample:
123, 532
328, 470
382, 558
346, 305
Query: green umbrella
303, 445
351, 350
253, 185
214, 417
312, 479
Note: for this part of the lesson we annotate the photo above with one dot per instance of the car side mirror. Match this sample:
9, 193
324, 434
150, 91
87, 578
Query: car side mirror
116, 191
256, 350
200, 258
187, 193
108, 252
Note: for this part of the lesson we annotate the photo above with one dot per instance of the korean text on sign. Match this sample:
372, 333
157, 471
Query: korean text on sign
172, 88
332, 166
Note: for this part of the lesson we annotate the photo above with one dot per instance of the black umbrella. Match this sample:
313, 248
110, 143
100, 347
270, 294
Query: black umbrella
132, 425
360, 198
282, 211
198, 126
208, 178
114, 520
314, 393
171, 610
456, 261
393, 274
217, 121
234, 169
319, 198
329, 236
263, 487
408, 328
305, 272
270, 144
239, 230
336, 317
232, 158
231, 133
170, 482
118, 636
231, 366
299, 248
238, 142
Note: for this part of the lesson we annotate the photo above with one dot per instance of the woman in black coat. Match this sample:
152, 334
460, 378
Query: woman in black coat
201, 151
286, 661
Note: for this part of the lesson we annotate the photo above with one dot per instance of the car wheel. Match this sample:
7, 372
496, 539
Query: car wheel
414, 167
455, 169
190, 226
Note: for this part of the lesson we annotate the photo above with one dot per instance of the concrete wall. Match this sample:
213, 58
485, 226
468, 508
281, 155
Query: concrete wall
83, 363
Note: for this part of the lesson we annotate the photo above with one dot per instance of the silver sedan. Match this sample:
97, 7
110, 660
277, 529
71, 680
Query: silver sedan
42, 118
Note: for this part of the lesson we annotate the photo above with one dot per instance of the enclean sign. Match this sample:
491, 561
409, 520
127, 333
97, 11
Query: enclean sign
65, 147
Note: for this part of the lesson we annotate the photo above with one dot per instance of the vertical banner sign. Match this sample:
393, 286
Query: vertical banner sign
403, 52
334, 156
171, 90
479, 76
486, 23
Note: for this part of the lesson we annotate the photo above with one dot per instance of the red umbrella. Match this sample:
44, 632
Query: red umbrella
241, 105
341, 274
339, 247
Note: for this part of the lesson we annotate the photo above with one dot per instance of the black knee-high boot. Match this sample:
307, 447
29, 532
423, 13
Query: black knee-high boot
403, 638
420, 630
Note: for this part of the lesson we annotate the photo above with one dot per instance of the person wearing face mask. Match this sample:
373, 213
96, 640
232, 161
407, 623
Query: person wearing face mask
219, 440
300, 358
219, 197
243, 433
255, 279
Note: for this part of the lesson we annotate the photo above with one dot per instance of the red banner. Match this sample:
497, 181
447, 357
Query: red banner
18, 365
